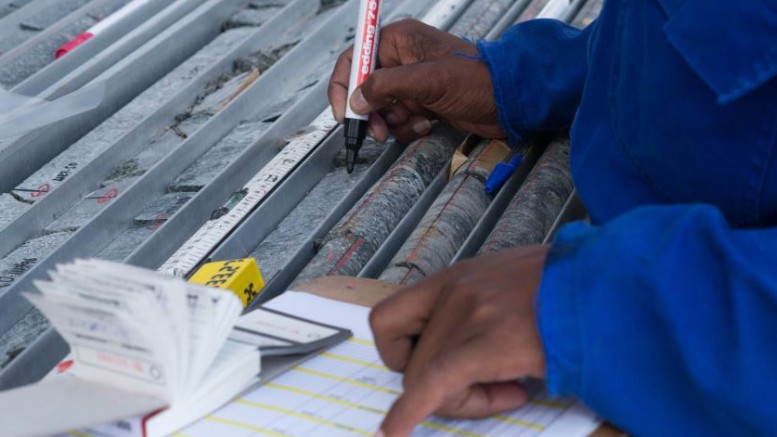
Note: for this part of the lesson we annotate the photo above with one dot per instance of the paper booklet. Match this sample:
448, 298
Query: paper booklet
153, 347
131, 330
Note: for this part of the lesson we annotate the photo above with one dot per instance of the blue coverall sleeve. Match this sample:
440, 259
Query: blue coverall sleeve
538, 69
665, 319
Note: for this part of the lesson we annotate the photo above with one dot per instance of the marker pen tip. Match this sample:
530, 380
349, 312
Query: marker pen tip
350, 160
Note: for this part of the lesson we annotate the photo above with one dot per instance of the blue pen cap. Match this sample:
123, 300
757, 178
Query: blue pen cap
501, 174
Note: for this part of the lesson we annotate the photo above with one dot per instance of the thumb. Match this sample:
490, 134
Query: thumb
422, 83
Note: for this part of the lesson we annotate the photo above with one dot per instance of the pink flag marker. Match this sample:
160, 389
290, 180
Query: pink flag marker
104, 24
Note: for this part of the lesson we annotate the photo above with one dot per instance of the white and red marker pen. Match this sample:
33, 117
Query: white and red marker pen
365, 58
105, 23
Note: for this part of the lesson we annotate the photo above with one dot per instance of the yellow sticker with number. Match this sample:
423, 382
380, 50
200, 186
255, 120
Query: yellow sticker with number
241, 276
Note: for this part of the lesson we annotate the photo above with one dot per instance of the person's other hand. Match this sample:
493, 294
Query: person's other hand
423, 73
463, 338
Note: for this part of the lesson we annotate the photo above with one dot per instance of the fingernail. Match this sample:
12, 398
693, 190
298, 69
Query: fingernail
338, 115
392, 119
379, 434
422, 127
358, 103
370, 132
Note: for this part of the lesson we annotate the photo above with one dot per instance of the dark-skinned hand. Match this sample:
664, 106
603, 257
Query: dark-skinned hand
423, 74
463, 338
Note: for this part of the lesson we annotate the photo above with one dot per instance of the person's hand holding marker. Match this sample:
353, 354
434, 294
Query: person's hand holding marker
423, 74
463, 338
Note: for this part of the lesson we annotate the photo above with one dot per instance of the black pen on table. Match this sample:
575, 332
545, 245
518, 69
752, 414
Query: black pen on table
365, 58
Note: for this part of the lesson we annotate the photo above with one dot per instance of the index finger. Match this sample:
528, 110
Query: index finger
451, 385
338, 84
446, 375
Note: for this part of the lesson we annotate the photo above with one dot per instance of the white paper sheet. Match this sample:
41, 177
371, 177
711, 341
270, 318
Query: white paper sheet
346, 391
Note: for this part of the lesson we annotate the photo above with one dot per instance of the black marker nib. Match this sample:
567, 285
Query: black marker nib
350, 160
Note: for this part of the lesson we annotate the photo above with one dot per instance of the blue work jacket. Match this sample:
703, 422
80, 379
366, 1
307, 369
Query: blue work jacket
661, 314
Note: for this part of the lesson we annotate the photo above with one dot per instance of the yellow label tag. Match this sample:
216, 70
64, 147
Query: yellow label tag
240, 276
495, 152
